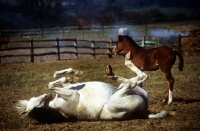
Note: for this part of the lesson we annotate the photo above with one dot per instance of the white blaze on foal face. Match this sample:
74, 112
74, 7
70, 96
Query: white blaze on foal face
114, 50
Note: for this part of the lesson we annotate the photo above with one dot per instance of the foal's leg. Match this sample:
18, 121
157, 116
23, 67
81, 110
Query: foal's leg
123, 80
138, 79
169, 91
141, 76
69, 70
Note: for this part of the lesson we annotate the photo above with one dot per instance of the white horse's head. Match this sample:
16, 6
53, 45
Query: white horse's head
25, 106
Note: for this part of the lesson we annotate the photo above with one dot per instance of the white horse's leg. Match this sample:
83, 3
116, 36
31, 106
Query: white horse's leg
59, 81
125, 87
69, 70
121, 104
62, 91
66, 99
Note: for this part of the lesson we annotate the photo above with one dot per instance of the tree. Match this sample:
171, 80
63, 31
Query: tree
109, 15
40, 10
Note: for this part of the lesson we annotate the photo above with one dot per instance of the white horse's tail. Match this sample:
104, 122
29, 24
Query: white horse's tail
161, 114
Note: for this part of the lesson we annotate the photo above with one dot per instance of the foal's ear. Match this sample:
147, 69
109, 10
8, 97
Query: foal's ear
120, 37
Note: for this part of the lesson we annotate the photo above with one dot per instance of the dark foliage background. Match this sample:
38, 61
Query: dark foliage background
16, 14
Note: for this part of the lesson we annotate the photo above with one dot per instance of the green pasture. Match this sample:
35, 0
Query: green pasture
25, 80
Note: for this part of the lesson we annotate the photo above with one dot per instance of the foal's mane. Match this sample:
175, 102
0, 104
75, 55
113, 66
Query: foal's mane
131, 40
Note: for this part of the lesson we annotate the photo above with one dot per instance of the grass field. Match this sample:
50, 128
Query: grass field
25, 80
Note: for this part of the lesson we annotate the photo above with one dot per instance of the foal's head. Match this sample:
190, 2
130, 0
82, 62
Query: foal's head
123, 43
24, 106
119, 47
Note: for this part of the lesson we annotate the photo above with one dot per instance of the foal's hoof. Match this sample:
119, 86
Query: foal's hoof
164, 102
109, 70
109, 73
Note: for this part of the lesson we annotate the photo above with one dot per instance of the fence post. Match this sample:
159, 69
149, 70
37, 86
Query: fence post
58, 48
61, 33
32, 50
82, 31
110, 48
179, 44
143, 42
21, 34
93, 48
103, 31
75, 45
41, 31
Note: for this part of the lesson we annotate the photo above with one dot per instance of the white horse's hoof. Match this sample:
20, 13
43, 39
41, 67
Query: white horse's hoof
63, 80
78, 73
51, 84
129, 84
142, 77
55, 75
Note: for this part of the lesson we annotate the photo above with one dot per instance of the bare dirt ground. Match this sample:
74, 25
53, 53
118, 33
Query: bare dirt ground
25, 80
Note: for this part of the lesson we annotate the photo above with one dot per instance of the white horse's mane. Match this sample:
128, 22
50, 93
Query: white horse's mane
21, 107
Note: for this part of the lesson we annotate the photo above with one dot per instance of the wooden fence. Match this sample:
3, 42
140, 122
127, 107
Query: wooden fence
56, 47
29, 50
59, 49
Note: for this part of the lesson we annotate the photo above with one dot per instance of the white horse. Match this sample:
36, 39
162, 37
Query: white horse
91, 100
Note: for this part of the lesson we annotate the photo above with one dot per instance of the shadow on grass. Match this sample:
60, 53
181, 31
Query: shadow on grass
185, 101
50, 116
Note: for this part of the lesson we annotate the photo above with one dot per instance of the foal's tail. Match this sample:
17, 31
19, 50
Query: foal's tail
161, 114
181, 61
